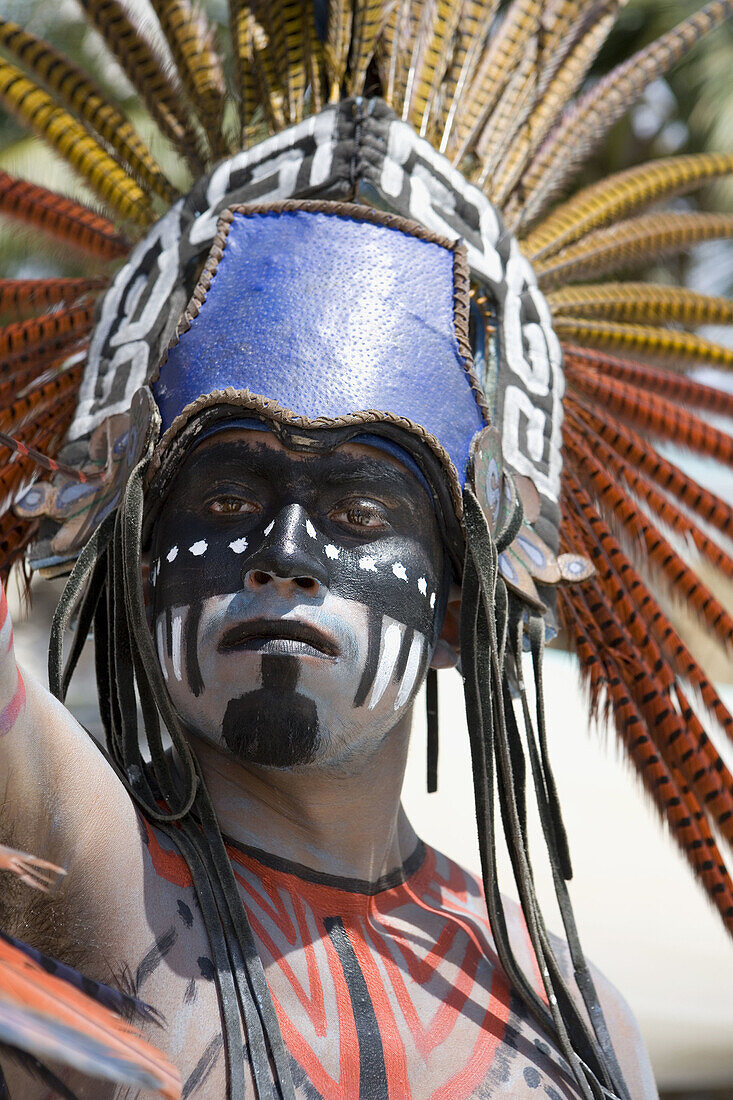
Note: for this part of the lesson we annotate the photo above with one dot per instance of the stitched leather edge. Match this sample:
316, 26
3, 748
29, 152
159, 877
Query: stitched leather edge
269, 409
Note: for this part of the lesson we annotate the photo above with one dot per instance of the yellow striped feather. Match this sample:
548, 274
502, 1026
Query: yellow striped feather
550, 101
428, 13
262, 63
494, 69
473, 29
80, 96
399, 41
635, 242
676, 349
35, 108
641, 303
430, 61
370, 19
511, 112
584, 126
161, 96
622, 194
296, 17
315, 66
336, 47
563, 23
191, 40
246, 88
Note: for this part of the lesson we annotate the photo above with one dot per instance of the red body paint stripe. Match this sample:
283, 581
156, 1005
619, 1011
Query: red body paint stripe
9, 715
3, 606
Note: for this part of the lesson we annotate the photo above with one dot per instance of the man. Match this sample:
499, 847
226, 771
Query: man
326, 346
301, 577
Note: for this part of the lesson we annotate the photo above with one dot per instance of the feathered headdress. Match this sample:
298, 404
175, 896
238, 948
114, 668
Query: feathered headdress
472, 123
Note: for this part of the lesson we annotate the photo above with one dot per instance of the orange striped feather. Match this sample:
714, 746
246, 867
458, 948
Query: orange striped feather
672, 796
629, 591
680, 578
45, 335
62, 218
53, 1019
659, 416
22, 296
583, 363
676, 742
586, 423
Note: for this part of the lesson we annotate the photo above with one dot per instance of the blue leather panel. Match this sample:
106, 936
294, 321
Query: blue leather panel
327, 315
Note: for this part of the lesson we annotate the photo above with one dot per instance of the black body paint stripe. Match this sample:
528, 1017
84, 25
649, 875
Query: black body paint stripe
402, 656
203, 1067
372, 657
372, 1068
193, 672
154, 956
394, 878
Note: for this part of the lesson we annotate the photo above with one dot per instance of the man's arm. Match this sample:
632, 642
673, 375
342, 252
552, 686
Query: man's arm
53, 780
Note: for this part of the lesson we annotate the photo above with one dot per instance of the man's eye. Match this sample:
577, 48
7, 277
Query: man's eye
363, 514
233, 506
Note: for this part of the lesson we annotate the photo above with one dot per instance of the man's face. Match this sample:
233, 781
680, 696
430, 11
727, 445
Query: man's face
296, 598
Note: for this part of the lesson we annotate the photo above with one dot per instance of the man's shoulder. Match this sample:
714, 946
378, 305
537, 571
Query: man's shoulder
462, 893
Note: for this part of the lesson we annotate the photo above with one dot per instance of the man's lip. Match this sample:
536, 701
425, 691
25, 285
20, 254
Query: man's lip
244, 635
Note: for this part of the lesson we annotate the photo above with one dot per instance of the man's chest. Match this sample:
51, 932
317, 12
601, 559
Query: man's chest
394, 995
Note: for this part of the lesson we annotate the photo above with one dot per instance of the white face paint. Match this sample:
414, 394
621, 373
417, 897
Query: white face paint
277, 608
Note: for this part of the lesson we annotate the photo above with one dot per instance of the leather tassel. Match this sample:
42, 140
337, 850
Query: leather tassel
431, 697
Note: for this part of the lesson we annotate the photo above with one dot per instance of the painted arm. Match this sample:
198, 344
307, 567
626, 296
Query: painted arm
52, 778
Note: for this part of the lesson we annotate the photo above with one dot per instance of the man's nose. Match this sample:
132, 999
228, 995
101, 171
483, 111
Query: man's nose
288, 559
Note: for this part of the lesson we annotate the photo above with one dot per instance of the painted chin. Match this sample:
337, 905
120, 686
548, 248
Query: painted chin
287, 701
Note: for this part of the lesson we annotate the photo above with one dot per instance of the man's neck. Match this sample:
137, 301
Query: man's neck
344, 822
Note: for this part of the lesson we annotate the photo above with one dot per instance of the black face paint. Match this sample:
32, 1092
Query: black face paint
392, 571
330, 565
275, 725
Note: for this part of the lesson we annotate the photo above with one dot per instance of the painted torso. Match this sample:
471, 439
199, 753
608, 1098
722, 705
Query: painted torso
390, 992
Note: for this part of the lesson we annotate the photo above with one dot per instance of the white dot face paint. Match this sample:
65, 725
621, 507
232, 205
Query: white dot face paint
422, 586
331, 551
268, 529
310, 529
432, 600
198, 548
399, 571
238, 546
172, 554
367, 564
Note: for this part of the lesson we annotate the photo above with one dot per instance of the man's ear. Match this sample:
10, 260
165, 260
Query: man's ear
448, 649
